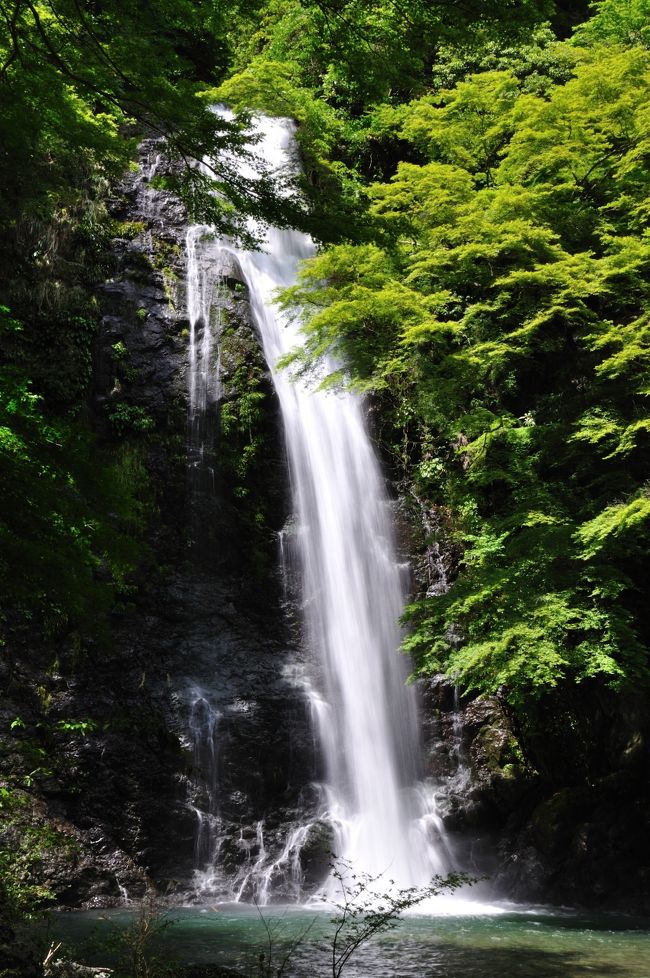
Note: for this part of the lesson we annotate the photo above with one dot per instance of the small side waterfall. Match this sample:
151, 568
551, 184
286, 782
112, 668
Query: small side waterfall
365, 717
203, 724
203, 283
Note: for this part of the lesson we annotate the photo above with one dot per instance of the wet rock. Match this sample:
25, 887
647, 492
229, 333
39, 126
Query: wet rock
72, 969
576, 830
317, 853
215, 622
474, 758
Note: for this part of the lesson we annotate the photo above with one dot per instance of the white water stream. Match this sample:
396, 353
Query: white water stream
365, 717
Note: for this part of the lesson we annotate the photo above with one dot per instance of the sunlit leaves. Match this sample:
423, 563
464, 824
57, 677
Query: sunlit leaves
468, 126
625, 21
622, 524
508, 304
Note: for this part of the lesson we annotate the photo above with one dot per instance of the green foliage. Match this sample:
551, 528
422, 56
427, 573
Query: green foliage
20, 895
57, 490
538, 60
331, 66
620, 526
356, 53
82, 727
130, 418
25, 843
623, 21
137, 945
502, 317
75, 78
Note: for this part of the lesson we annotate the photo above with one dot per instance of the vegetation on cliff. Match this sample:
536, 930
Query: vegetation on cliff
499, 311
478, 176
79, 85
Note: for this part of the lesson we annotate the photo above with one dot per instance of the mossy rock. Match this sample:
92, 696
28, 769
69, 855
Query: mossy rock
496, 750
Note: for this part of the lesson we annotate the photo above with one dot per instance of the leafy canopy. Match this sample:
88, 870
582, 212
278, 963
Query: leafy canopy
501, 315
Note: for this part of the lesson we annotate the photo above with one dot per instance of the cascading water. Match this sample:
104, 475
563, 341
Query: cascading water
203, 280
364, 714
203, 724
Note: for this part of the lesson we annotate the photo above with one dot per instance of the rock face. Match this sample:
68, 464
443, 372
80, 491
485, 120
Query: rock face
584, 837
561, 823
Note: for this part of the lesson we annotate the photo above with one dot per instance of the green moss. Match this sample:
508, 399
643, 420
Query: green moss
165, 255
127, 229
499, 751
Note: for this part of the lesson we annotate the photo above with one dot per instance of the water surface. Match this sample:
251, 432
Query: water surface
509, 944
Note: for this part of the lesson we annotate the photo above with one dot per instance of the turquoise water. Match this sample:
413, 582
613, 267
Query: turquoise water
523, 944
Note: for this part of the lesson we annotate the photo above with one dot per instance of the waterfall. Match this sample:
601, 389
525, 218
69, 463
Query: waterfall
365, 716
204, 312
204, 721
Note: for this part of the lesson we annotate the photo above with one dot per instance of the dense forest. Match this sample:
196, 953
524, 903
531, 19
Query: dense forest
477, 177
